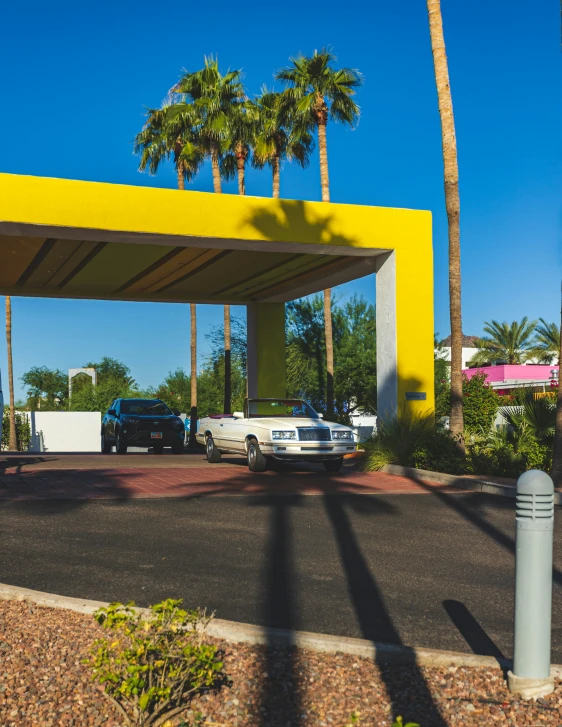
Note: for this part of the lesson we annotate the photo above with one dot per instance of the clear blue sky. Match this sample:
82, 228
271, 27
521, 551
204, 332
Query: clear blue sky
76, 77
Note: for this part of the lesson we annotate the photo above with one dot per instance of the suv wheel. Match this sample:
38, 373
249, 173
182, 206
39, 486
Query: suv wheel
120, 446
105, 445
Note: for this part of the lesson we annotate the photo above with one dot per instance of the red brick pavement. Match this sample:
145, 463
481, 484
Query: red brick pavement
31, 483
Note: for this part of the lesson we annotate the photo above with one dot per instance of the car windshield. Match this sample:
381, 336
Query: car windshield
145, 407
291, 408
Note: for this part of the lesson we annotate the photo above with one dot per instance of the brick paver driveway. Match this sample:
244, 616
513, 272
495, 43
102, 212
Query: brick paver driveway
94, 476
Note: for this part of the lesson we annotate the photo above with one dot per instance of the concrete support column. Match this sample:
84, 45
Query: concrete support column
405, 333
266, 350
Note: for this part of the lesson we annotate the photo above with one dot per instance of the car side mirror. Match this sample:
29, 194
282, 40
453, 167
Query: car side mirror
238, 415
320, 416
112, 413
177, 412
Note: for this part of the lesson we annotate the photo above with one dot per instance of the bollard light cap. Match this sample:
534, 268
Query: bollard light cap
535, 482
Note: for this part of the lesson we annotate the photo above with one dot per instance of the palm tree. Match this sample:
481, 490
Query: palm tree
193, 377
556, 470
241, 134
315, 92
214, 97
167, 134
546, 346
13, 440
276, 139
508, 342
452, 203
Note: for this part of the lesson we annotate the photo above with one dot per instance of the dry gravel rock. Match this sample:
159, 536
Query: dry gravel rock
45, 684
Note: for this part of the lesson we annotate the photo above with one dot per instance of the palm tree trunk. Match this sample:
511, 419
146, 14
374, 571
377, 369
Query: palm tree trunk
227, 361
181, 179
217, 187
323, 149
452, 203
329, 353
193, 376
276, 177
557, 453
241, 169
13, 440
325, 181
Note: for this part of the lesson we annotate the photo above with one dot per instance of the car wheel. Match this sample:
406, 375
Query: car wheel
158, 449
256, 461
333, 465
120, 446
177, 448
213, 454
105, 445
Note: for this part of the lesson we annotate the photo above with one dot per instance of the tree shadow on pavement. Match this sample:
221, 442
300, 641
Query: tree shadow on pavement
281, 696
375, 621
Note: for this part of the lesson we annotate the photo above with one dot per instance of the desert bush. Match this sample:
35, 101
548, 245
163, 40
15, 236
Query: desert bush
151, 666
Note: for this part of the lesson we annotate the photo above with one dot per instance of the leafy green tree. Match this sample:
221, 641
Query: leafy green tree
275, 137
238, 343
99, 397
175, 390
509, 342
354, 354
316, 91
442, 381
111, 368
546, 346
480, 403
47, 388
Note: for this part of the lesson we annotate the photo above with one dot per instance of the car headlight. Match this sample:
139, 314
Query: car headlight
284, 435
341, 434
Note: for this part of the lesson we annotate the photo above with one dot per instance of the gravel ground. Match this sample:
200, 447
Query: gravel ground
44, 684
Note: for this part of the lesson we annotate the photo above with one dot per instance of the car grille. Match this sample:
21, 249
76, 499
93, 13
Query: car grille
314, 434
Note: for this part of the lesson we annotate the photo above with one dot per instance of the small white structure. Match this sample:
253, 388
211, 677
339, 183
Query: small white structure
363, 425
64, 431
469, 349
74, 372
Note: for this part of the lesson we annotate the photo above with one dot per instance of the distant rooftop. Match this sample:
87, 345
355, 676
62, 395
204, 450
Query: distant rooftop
467, 341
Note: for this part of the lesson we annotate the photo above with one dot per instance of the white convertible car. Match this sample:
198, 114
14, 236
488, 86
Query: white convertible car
285, 429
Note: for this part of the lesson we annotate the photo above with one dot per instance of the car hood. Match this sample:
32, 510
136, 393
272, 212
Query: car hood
298, 423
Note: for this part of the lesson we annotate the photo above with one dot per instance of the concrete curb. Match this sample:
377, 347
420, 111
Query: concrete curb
250, 634
464, 483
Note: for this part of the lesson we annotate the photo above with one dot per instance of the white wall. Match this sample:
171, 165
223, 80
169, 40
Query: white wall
65, 431
467, 354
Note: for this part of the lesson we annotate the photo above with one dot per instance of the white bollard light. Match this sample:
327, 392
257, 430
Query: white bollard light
531, 677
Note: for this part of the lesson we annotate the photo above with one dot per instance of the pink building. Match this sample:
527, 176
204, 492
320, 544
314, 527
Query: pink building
506, 377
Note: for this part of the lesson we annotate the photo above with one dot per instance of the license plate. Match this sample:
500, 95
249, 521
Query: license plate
156, 435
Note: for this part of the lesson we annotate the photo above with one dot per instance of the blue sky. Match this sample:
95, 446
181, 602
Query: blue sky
76, 77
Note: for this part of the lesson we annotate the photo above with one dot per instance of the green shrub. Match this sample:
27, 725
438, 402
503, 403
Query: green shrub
438, 452
480, 404
152, 666
23, 430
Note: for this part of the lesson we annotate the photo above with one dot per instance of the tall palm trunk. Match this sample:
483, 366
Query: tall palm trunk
13, 440
325, 182
193, 376
227, 362
329, 352
557, 454
452, 203
181, 179
276, 177
241, 169
217, 186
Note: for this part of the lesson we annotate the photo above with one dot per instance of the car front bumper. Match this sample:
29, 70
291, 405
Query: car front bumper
309, 451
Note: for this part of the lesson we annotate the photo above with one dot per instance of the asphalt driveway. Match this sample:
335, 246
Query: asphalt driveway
431, 570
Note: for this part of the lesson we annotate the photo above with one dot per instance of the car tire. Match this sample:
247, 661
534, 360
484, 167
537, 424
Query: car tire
157, 449
120, 446
333, 465
256, 461
105, 445
177, 448
213, 454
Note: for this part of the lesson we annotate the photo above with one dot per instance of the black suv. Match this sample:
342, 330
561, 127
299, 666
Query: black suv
141, 423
